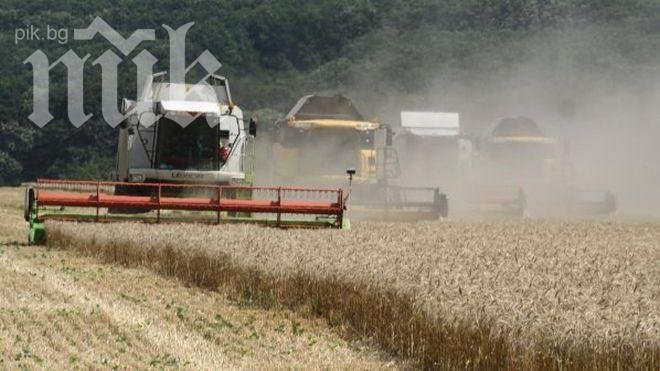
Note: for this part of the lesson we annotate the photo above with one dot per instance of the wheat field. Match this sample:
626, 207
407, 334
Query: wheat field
532, 294
62, 310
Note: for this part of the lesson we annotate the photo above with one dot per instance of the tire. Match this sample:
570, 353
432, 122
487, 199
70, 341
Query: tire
28, 203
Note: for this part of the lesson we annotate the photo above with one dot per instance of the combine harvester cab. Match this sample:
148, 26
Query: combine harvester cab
183, 133
184, 154
322, 136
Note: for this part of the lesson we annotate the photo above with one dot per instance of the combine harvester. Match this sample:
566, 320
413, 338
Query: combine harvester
182, 158
323, 136
515, 170
517, 151
435, 149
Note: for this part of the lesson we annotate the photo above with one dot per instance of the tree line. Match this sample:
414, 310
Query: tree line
275, 51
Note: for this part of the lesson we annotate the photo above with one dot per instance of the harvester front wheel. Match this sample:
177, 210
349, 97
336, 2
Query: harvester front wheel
28, 204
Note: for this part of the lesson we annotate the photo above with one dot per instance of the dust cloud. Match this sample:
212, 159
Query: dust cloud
578, 86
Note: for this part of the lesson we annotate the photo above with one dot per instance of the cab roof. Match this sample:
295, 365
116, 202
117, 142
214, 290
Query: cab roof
316, 111
519, 130
335, 107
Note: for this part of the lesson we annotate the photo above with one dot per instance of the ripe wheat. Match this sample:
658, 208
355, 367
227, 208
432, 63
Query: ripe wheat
536, 294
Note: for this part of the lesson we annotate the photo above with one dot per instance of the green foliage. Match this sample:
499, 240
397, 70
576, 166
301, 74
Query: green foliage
10, 170
273, 52
15, 141
220, 322
87, 166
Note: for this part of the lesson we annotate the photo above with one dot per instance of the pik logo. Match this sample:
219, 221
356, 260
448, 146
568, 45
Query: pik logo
109, 62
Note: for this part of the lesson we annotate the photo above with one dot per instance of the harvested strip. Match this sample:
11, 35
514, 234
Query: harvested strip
58, 310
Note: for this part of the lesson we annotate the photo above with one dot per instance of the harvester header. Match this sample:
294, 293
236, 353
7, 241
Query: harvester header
90, 201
